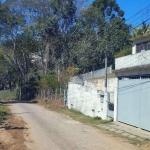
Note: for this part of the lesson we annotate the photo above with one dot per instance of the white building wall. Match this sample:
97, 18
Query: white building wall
110, 87
133, 48
136, 60
86, 99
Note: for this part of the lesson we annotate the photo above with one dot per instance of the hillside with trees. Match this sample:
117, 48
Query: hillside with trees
39, 40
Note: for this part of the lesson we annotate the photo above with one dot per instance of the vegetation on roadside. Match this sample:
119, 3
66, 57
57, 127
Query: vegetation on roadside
58, 106
8, 95
4, 113
76, 115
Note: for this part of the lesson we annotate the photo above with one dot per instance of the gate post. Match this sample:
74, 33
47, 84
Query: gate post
65, 96
116, 99
105, 106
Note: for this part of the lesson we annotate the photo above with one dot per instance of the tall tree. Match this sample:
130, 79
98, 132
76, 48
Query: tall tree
100, 25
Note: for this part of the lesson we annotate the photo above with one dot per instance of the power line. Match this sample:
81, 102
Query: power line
141, 23
136, 19
130, 4
137, 13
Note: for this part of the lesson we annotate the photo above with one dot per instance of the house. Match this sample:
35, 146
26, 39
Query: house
132, 92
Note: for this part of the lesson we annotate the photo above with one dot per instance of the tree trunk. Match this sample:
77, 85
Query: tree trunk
46, 57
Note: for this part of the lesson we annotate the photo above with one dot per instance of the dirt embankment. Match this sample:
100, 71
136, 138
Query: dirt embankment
12, 134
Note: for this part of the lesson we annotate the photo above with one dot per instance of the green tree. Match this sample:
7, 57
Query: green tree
126, 51
141, 30
100, 25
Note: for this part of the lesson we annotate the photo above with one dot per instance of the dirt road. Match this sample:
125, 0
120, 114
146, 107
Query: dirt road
53, 131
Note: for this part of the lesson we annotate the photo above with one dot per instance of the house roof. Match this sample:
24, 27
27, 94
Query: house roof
140, 37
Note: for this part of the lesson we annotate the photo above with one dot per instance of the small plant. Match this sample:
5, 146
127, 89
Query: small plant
97, 118
12, 98
4, 112
6, 98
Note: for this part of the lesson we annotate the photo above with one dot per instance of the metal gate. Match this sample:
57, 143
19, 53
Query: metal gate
65, 97
111, 110
134, 101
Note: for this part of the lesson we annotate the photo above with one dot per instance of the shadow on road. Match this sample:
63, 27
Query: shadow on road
14, 128
17, 101
21, 113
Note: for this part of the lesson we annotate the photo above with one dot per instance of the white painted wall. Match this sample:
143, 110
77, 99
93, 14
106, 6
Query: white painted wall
110, 87
138, 59
133, 48
86, 99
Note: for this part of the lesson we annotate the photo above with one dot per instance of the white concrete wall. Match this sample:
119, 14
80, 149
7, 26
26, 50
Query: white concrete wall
133, 48
110, 87
86, 99
136, 60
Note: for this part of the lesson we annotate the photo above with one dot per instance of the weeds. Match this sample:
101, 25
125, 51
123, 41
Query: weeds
8, 95
4, 113
76, 115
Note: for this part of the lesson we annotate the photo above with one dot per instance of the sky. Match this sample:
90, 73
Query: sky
131, 7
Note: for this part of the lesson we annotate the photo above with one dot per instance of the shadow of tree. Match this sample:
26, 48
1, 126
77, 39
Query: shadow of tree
17, 101
14, 128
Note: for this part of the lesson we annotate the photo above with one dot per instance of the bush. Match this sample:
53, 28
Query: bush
8, 95
4, 113
125, 52
49, 81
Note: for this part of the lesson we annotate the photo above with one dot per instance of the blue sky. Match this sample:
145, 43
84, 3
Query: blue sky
130, 7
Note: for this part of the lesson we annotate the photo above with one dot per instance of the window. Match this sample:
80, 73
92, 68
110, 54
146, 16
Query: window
143, 46
137, 49
148, 46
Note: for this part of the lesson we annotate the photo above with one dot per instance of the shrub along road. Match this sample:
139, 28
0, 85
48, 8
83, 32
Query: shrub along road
49, 130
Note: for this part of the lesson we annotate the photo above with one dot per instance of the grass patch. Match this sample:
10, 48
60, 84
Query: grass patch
8, 95
4, 113
76, 115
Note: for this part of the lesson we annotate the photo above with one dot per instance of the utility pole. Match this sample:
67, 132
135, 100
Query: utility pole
105, 105
106, 50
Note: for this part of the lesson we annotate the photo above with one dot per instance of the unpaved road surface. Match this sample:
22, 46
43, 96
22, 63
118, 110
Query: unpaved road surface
49, 130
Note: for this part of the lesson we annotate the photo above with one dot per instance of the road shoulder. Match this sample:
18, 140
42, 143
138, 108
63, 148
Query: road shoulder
12, 134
